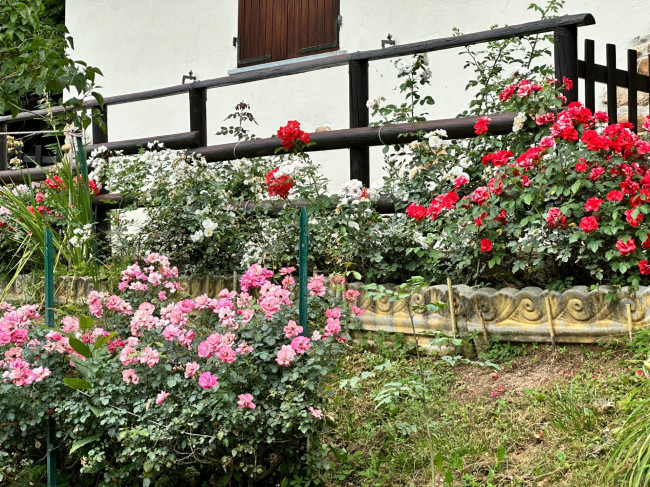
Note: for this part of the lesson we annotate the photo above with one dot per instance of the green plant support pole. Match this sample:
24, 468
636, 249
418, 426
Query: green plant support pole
49, 322
302, 272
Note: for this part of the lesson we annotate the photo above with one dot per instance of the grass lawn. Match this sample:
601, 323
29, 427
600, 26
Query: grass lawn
548, 417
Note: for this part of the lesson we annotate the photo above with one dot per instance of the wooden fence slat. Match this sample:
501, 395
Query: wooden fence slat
359, 117
198, 114
101, 135
590, 84
631, 90
611, 83
566, 58
4, 158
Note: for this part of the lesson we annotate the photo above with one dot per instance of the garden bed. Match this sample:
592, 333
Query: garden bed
579, 315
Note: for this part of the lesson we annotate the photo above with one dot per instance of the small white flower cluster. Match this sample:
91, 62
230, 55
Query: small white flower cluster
519, 122
81, 235
406, 66
436, 138
454, 173
209, 226
375, 103
291, 167
353, 191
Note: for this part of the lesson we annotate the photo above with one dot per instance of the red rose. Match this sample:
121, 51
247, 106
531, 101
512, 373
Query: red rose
625, 248
449, 200
416, 211
525, 181
497, 158
278, 186
481, 125
495, 185
634, 221
480, 195
593, 204
501, 217
479, 220
486, 245
290, 133
588, 224
644, 268
555, 218
596, 172
646, 242
580, 167
460, 181
568, 83
614, 196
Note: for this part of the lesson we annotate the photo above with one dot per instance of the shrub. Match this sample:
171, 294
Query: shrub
226, 388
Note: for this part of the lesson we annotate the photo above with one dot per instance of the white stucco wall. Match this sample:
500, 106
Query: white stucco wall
147, 44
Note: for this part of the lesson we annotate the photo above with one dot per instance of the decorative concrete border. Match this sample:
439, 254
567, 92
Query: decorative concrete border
578, 315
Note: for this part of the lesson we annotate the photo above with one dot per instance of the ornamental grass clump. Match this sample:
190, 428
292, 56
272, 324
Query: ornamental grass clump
151, 387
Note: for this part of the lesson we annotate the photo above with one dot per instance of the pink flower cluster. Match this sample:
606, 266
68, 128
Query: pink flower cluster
256, 276
158, 273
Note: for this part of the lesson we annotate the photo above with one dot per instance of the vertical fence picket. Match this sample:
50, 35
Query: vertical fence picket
100, 134
590, 83
566, 58
631, 88
302, 272
4, 158
611, 83
101, 215
198, 114
49, 322
359, 117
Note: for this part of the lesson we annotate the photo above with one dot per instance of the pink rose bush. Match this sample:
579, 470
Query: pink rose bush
235, 368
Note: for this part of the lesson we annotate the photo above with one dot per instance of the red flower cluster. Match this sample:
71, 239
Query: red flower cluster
279, 186
481, 125
92, 184
497, 158
54, 183
416, 211
555, 218
486, 245
588, 224
523, 88
291, 133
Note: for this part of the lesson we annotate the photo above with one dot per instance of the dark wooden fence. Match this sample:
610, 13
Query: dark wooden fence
565, 31
629, 78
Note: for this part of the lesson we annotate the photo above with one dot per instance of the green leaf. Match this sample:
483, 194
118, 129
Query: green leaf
85, 323
77, 384
80, 347
79, 443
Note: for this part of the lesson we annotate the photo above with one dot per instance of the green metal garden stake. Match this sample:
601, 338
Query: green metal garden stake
49, 321
302, 272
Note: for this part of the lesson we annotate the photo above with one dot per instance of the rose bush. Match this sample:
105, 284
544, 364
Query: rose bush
217, 388
570, 203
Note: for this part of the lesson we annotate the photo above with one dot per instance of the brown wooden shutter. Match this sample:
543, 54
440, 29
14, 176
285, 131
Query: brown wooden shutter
273, 30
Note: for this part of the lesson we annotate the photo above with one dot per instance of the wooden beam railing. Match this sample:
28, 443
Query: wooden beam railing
564, 29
